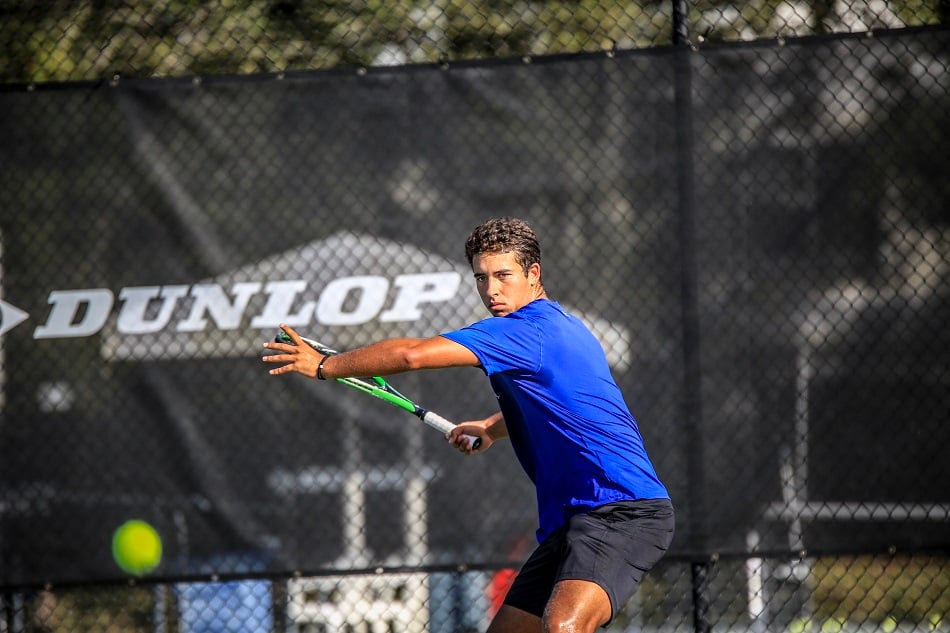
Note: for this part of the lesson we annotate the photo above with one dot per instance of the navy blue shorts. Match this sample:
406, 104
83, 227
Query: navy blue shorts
613, 545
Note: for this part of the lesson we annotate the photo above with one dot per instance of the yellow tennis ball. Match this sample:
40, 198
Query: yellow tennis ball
136, 547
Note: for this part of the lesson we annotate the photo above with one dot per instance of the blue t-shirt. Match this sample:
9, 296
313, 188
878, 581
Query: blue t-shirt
567, 420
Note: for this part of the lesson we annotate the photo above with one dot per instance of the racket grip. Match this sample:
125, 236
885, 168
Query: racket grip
283, 337
436, 421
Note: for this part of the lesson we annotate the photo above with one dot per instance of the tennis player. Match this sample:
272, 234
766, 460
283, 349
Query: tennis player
605, 518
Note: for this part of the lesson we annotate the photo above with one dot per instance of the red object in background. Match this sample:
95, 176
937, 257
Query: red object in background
498, 588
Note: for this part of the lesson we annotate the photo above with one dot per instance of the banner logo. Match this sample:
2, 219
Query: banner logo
149, 309
227, 316
10, 317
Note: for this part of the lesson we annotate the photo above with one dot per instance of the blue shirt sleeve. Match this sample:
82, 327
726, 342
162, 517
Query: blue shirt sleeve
502, 344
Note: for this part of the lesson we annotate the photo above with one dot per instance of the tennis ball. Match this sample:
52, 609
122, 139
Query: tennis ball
136, 547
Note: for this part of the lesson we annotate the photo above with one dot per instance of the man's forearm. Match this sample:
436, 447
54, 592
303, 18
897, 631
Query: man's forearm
495, 426
378, 359
396, 355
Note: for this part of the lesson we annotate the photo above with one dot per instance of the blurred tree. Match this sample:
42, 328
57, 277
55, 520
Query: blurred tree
66, 40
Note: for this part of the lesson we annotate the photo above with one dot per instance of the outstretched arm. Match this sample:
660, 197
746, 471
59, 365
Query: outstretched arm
387, 357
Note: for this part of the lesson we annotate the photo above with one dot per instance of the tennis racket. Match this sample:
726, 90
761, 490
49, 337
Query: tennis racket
376, 386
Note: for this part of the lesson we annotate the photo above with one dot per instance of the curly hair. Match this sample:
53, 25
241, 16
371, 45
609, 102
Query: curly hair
504, 235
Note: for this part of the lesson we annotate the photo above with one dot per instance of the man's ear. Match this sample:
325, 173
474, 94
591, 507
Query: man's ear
534, 273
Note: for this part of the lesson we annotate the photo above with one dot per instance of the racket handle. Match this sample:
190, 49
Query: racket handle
283, 337
436, 421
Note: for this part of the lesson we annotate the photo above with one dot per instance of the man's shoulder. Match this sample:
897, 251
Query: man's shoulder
538, 307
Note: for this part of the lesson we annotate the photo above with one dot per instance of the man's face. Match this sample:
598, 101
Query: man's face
502, 283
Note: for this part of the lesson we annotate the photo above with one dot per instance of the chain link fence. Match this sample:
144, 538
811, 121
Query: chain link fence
755, 224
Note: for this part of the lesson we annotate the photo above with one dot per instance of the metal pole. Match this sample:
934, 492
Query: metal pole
700, 572
692, 388
680, 22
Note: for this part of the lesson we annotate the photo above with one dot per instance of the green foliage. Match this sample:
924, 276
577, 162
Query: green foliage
881, 589
114, 610
70, 40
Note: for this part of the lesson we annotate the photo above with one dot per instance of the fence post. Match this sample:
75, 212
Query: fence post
680, 22
700, 571
690, 311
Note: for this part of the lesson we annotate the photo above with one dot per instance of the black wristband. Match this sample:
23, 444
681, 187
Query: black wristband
320, 375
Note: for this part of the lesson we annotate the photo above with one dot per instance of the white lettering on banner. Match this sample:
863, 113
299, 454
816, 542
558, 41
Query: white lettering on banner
368, 291
67, 304
210, 298
148, 309
133, 317
415, 290
280, 299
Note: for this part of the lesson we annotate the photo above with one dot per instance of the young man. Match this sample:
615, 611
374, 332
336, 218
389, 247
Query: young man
604, 516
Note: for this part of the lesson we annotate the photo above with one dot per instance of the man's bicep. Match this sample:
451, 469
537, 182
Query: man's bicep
439, 351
